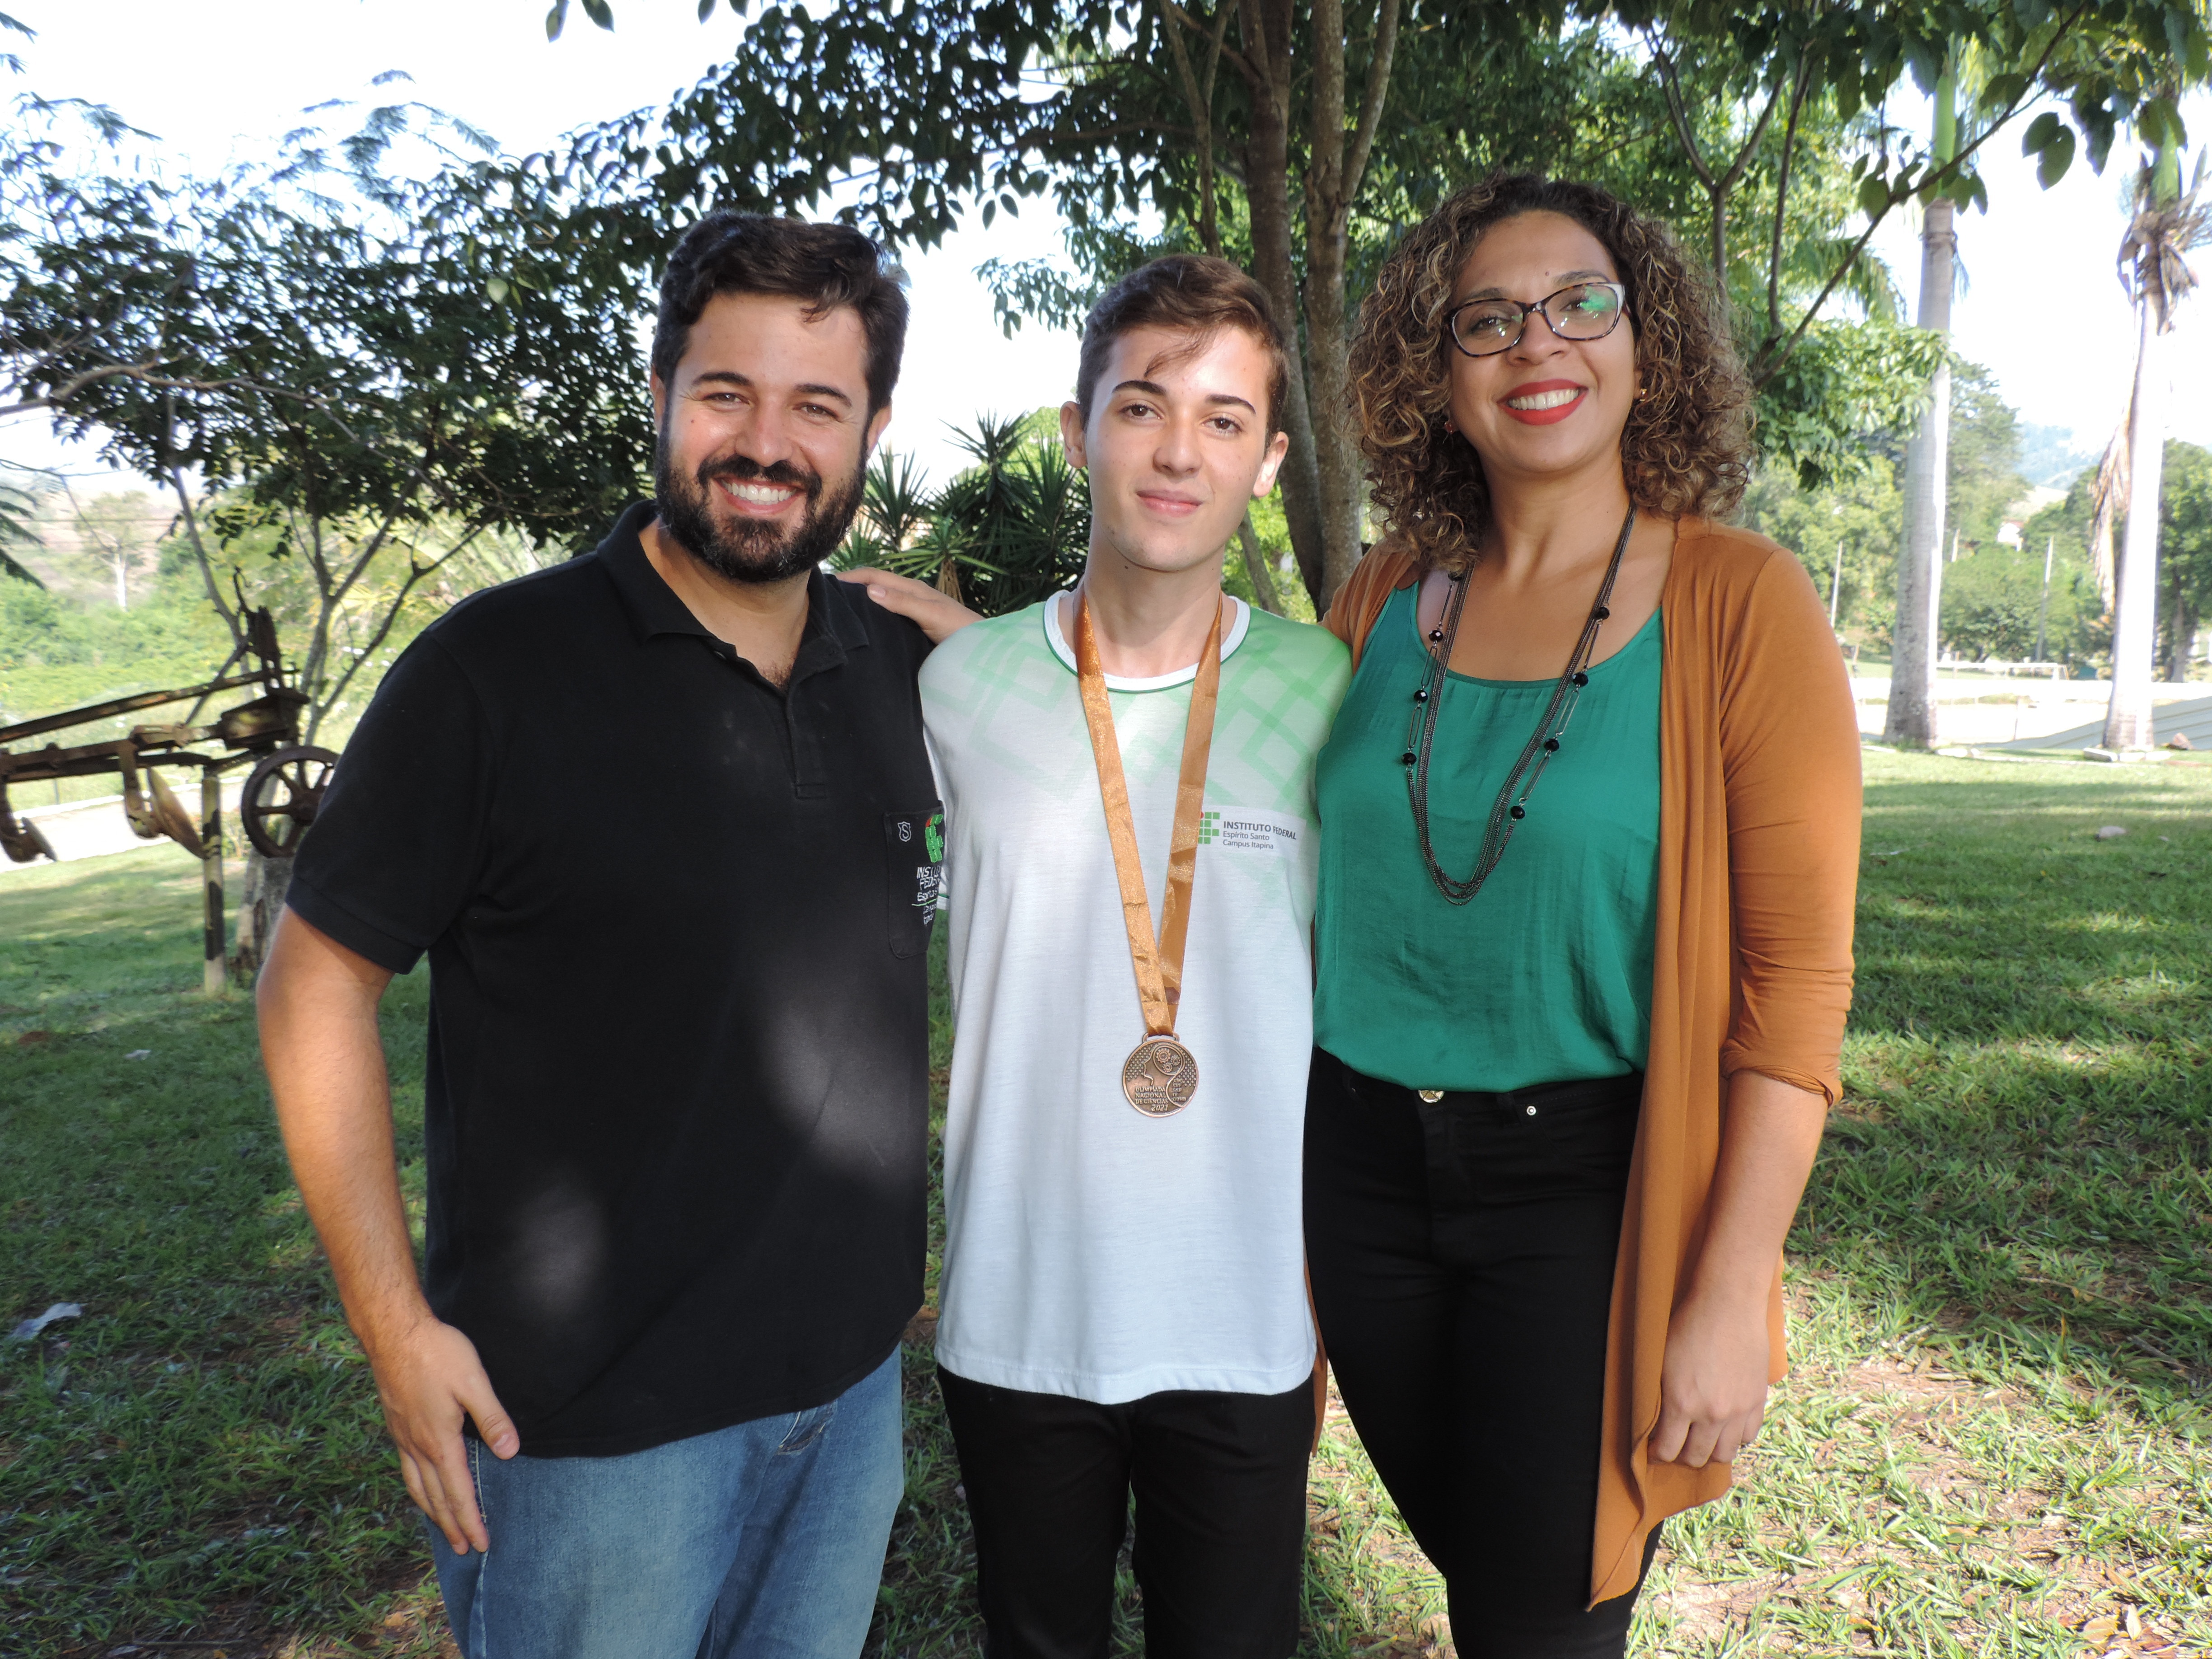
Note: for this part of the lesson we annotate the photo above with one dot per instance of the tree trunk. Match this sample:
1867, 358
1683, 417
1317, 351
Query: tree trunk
2135, 614
1336, 451
260, 902
1331, 184
1255, 566
1267, 187
1911, 718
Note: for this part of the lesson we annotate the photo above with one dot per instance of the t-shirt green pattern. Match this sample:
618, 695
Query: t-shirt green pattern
1089, 1250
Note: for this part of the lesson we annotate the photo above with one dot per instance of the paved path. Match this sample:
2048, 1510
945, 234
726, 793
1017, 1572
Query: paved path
2192, 720
92, 829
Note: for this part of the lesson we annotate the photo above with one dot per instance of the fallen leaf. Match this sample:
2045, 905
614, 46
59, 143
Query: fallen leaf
2100, 1630
31, 1039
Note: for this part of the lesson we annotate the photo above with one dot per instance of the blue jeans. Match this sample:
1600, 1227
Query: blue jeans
764, 1539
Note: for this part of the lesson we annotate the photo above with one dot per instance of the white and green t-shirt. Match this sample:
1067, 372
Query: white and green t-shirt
1091, 1250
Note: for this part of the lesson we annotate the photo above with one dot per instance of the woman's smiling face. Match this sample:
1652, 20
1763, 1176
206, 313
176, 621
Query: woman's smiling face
1544, 408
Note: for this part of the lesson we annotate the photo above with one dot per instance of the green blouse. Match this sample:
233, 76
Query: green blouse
1545, 976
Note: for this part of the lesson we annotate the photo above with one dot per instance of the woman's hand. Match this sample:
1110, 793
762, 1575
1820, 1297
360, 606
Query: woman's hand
1712, 1388
938, 615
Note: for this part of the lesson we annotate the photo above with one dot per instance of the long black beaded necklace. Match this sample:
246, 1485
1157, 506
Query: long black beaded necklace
1512, 803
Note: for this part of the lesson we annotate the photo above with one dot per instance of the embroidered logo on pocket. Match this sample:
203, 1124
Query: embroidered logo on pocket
914, 853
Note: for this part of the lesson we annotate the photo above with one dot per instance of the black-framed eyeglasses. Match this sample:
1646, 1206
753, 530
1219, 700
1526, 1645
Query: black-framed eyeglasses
1587, 311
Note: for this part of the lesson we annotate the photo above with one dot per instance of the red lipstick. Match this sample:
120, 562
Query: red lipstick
1546, 416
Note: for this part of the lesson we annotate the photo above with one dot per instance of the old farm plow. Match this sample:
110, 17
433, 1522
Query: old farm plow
282, 790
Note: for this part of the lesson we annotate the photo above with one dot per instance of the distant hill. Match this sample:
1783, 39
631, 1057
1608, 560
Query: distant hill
2052, 457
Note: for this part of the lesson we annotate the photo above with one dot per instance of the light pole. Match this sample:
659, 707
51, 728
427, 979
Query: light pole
1835, 585
2043, 615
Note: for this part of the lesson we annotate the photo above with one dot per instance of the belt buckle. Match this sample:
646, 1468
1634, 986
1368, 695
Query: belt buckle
1431, 1095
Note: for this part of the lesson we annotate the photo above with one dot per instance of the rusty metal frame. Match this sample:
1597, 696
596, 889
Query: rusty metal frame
251, 731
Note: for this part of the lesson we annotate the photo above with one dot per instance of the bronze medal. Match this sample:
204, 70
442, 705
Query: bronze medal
1161, 1075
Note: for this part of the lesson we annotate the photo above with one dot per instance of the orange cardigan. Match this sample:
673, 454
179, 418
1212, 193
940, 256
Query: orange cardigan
1759, 843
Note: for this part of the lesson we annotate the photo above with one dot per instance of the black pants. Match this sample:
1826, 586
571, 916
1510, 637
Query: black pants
1462, 1256
1220, 1482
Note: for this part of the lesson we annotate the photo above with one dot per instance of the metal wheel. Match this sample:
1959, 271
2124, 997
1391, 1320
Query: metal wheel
281, 794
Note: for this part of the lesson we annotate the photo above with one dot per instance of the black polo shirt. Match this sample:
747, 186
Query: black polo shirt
675, 1105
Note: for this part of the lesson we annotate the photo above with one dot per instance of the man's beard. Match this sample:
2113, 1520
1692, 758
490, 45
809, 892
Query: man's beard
752, 550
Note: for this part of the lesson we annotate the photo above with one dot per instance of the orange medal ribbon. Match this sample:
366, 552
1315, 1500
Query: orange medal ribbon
1160, 1075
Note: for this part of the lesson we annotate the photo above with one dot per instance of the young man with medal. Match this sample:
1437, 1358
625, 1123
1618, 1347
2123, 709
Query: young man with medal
1127, 774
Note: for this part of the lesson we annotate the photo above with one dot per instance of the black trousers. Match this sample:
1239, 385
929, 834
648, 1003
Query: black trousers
1463, 1257
1220, 1483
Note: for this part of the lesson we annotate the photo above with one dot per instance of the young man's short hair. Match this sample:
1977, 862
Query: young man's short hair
1193, 293
825, 265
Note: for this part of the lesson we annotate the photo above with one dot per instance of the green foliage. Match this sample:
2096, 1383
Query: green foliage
17, 529
1843, 382
373, 373
1859, 514
56, 653
1993, 603
1012, 528
2184, 551
1985, 479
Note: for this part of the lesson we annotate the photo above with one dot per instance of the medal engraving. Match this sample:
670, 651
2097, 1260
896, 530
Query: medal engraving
1159, 1077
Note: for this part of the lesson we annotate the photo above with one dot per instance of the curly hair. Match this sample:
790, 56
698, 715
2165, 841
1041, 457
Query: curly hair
1687, 448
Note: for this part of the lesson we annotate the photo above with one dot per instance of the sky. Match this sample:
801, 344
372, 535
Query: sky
2039, 256
218, 80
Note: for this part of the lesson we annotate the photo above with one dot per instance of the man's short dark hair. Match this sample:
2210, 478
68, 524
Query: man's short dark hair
825, 265
1194, 293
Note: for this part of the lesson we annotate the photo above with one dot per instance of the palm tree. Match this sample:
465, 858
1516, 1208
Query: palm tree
1910, 719
17, 509
2168, 224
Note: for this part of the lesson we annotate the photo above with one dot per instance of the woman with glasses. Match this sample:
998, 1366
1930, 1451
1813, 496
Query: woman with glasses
1589, 847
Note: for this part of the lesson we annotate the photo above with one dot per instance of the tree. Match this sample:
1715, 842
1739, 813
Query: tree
2184, 551
1260, 126
1910, 716
1002, 534
329, 370
119, 529
18, 529
2167, 223
1845, 532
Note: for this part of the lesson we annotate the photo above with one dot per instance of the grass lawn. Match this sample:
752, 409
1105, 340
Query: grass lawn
1997, 1440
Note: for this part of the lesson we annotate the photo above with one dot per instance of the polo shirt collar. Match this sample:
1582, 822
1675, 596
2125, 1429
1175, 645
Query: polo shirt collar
654, 607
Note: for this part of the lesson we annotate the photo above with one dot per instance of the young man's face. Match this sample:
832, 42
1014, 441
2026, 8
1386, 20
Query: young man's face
1177, 445
764, 436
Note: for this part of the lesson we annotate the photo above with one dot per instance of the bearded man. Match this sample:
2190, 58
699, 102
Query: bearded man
662, 818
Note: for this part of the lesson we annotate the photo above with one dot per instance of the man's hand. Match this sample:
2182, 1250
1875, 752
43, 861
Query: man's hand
318, 1039
429, 1379
938, 615
1712, 1388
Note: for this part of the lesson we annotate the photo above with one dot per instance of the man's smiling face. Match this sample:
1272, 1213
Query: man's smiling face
1178, 444
764, 436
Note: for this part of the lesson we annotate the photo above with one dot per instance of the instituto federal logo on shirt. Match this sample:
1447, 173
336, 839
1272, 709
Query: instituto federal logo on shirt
1240, 829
